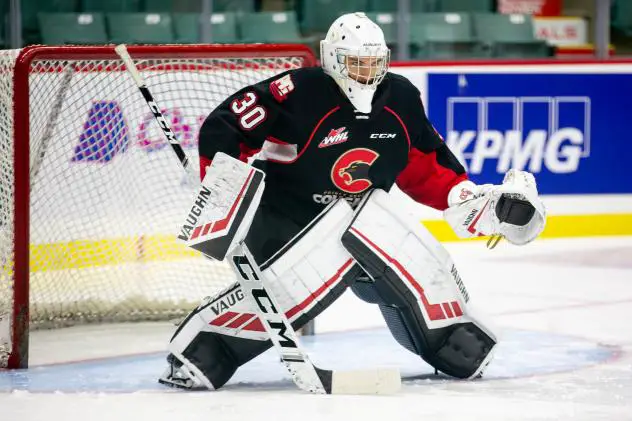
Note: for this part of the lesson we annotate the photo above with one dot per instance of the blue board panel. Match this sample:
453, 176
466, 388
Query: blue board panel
571, 130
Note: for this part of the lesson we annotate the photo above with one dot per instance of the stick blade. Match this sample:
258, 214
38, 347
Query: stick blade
384, 381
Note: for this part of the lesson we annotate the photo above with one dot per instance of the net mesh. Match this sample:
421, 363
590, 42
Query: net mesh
108, 194
7, 60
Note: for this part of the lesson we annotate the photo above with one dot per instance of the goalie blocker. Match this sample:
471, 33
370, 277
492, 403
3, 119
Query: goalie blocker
386, 259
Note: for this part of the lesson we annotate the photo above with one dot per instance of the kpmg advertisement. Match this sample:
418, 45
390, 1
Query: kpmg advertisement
572, 130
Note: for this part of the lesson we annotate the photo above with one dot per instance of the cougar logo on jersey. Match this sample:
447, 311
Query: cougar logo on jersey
335, 137
350, 173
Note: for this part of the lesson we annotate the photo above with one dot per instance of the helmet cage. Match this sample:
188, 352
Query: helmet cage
378, 59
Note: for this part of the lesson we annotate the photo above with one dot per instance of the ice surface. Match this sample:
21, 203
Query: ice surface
562, 309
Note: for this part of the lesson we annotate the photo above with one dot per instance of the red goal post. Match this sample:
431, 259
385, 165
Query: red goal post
90, 197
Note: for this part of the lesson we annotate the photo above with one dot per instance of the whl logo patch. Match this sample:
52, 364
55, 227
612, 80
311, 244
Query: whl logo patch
334, 137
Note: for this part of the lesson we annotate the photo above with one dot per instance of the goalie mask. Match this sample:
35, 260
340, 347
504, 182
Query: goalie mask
355, 55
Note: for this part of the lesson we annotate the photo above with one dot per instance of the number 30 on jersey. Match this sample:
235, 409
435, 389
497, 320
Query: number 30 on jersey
250, 114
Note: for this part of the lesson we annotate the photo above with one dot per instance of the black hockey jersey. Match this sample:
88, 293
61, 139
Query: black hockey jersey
314, 147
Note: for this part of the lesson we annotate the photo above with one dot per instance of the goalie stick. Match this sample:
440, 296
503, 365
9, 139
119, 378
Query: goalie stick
285, 340
122, 52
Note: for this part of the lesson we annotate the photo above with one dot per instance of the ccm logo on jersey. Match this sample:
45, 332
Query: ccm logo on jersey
383, 135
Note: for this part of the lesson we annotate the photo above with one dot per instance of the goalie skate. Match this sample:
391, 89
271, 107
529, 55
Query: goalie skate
179, 376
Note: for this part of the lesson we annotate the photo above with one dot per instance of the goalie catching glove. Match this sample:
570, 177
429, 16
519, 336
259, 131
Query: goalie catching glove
512, 210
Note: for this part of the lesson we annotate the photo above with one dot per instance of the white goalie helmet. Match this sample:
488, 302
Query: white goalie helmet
355, 55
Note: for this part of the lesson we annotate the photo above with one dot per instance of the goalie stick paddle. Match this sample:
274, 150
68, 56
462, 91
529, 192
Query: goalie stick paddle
304, 374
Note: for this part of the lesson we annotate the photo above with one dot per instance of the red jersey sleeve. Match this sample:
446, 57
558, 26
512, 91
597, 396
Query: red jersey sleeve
432, 169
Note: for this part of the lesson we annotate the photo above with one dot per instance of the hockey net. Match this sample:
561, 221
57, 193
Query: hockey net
91, 196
